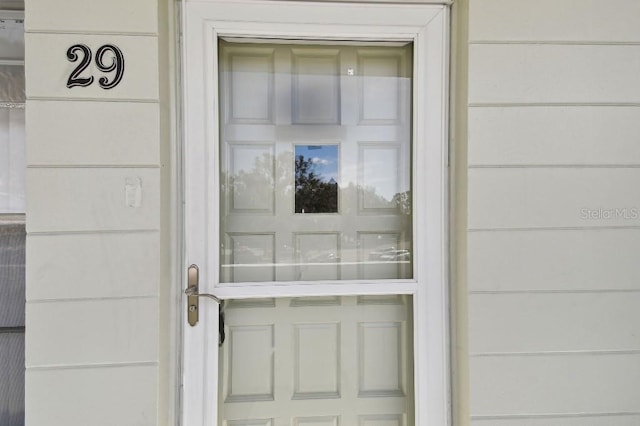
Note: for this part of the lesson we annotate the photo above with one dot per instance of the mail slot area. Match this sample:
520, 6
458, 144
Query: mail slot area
544, 220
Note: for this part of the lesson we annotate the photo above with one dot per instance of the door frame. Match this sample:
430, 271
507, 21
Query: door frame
427, 26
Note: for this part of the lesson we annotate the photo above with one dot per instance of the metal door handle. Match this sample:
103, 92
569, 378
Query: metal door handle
191, 291
193, 276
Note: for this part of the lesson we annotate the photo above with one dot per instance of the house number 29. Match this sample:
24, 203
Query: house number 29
80, 52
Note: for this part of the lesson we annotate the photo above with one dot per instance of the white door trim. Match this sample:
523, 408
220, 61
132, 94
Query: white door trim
427, 27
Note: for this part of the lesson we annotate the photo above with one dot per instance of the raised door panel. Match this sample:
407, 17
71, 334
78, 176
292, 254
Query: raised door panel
380, 89
250, 371
317, 421
380, 359
250, 179
317, 255
250, 257
247, 79
316, 86
316, 361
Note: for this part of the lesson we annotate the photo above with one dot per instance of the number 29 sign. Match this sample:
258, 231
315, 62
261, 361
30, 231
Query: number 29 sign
82, 53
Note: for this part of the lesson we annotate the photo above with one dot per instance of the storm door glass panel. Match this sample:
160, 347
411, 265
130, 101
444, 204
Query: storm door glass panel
12, 219
315, 161
315, 174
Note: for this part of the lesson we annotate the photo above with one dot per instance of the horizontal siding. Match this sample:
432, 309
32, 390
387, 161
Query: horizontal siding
93, 271
553, 294
624, 419
139, 81
93, 133
554, 322
542, 197
549, 260
554, 384
555, 135
123, 396
92, 332
555, 20
91, 199
138, 16
80, 266
553, 74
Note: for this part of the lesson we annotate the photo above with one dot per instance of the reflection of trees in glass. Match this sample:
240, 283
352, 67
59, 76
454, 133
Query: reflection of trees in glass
250, 185
313, 195
286, 179
402, 201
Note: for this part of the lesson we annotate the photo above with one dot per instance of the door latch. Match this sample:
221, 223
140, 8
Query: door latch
193, 276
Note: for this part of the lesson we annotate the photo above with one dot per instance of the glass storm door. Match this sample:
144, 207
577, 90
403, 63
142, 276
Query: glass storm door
315, 170
315, 187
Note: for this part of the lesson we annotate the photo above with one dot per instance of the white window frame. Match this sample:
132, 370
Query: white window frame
427, 26
16, 16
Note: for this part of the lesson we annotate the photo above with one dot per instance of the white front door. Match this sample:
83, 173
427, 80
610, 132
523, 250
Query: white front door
315, 208
322, 361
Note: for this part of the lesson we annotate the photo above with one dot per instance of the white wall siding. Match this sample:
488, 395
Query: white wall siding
96, 396
121, 16
555, 384
93, 219
88, 332
554, 322
596, 21
93, 199
544, 197
94, 133
141, 67
553, 73
554, 212
554, 135
583, 259
90, 265
572, 420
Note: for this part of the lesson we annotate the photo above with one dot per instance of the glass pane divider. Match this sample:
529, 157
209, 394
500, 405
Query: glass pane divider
281, 289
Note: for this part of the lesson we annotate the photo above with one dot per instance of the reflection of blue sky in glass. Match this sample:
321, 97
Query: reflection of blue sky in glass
325, 158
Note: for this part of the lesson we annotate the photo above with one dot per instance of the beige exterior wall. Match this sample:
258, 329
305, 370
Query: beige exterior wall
553, 130
545, 124
98, 347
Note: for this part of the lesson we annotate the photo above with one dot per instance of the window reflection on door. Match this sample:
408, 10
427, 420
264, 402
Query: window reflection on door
315, 162
316, 184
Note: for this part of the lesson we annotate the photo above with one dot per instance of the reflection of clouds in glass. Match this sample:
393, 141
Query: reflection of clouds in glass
323, 157
321, 161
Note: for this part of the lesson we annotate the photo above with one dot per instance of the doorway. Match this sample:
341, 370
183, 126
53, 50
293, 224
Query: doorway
315, 175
